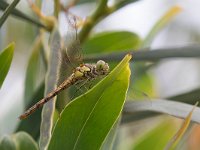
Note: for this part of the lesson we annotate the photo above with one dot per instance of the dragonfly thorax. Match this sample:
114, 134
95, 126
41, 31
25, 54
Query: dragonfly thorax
91, 70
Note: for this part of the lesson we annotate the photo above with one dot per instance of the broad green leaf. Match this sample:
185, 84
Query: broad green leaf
7, 12
160, 24
6, 143
50, 85
5, 60
24, 141
97, 110
157, 138
174, 140
107, 42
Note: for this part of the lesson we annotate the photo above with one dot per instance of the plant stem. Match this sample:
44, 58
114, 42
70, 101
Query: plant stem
8, 11
150, 55
93, 20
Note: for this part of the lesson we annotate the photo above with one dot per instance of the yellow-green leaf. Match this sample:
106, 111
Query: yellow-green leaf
174, 140
166, 18
156, 138
97, 110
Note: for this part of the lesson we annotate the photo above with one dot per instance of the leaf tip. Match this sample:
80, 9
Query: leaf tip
129, 56
175, 10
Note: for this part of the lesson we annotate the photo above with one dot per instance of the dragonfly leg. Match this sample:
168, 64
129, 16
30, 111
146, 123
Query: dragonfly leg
79, 88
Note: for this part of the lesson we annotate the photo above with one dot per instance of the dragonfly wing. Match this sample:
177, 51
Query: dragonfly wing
72, 43
71, 52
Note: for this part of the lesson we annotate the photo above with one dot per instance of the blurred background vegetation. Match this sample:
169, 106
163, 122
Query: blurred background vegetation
163, 37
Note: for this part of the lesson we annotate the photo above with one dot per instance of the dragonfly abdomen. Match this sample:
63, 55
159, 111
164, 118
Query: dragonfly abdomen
39, 104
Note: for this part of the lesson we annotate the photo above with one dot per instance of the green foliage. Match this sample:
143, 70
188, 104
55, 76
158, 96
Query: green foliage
6, 143
157, 138
5, 61
162, 22
107, 42
18, 141
100, 109
92, 120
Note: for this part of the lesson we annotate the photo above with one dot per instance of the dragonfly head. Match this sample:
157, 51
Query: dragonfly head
102, 67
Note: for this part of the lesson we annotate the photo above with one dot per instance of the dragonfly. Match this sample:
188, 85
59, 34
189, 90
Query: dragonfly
82, 73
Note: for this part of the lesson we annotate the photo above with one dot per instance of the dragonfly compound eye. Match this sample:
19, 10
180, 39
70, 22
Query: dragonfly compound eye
100, 64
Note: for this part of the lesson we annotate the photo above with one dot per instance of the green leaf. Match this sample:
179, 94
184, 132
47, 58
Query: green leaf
107, 42
18, 141
5, 61
6, 143
157, 138
176, 109
85, 122
185, 125
8, 10
160, 24
24, 141
110, 140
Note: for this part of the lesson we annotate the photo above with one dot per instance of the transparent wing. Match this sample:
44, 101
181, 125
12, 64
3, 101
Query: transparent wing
73, 51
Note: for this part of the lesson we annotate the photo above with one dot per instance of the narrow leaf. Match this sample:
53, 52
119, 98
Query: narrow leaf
98, 109
51, 81
5, 61
8, 10
172, 108
160, 24
174, 140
